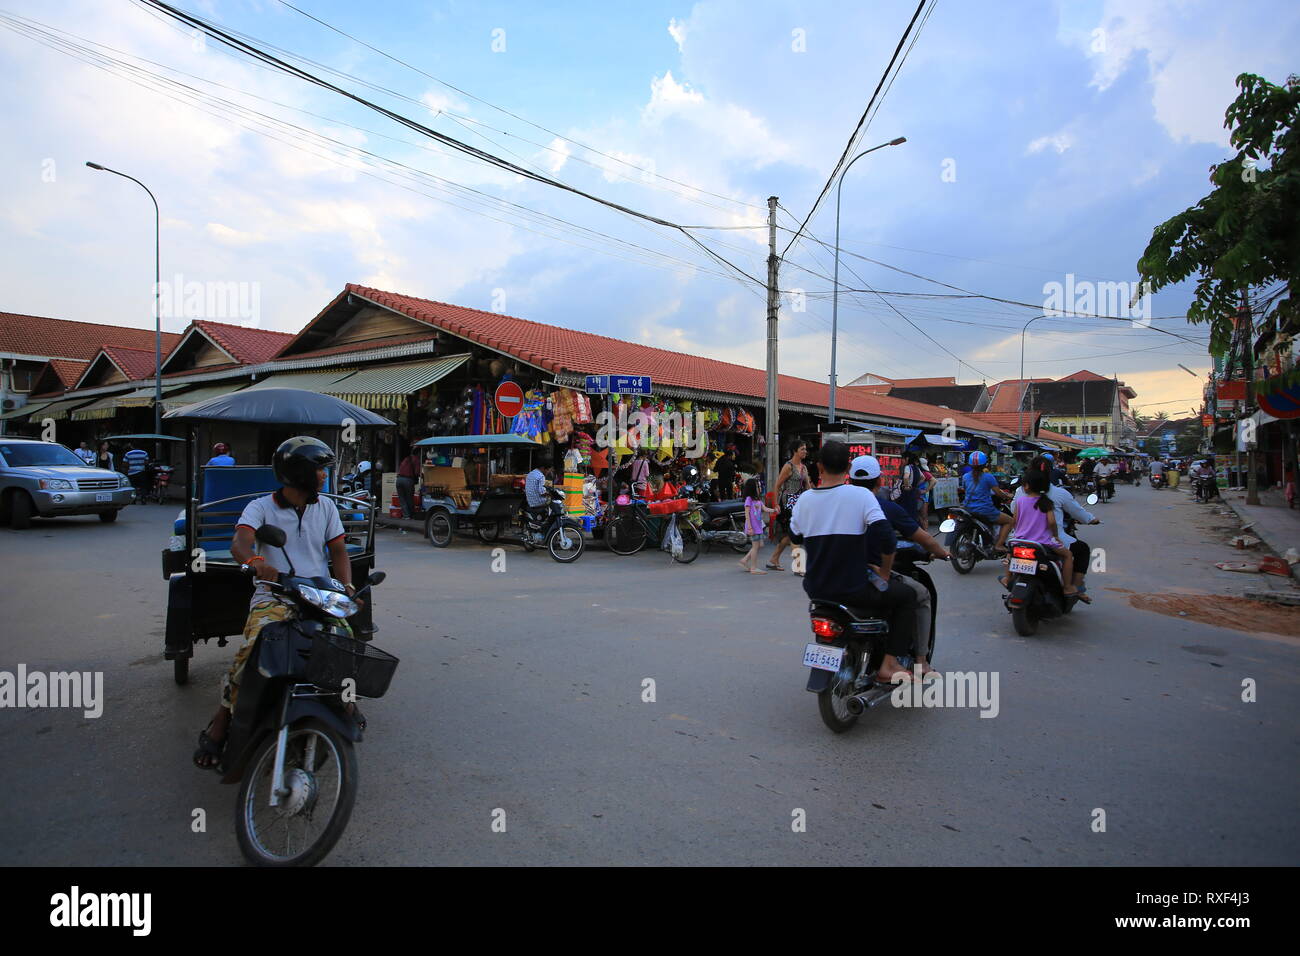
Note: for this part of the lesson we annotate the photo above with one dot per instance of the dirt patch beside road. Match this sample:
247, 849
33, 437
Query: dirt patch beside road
1222, 610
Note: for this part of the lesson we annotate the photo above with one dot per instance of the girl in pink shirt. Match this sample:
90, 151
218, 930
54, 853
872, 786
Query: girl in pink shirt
755, 509
1036, 521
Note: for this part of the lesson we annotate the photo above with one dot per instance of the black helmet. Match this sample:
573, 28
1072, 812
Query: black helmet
295, 462
690, 474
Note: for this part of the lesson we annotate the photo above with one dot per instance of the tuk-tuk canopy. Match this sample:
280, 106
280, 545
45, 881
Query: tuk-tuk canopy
281, 406
478, 441
143, 437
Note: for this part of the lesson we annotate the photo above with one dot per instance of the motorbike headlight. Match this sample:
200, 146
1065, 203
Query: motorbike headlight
331, 602
56, 484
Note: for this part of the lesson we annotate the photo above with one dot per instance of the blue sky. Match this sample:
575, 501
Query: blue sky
1067, 131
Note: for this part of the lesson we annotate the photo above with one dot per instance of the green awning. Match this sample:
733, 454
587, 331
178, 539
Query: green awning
58, 410
314, 380
173, 402
26, 410
106, 407
387, 386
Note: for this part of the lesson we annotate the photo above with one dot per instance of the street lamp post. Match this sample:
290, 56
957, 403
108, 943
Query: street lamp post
1020, 428
157, 311
835, 285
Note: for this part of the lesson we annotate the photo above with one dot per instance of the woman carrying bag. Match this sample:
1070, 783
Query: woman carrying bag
790, 484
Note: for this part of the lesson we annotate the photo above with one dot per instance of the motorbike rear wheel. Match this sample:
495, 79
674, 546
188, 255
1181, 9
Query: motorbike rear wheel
831, 701
1025, 622
963, 555
737, 524
334, 767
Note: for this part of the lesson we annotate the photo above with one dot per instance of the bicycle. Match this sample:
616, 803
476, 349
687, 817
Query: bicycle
630, 531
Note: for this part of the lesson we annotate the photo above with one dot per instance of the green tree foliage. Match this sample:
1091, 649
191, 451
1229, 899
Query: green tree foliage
1246, 232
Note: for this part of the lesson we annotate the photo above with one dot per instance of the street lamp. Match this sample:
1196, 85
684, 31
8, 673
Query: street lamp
835, 293
157, 311
1020, 428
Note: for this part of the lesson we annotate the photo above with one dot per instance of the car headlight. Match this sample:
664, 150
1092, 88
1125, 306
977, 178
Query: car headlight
56, 484
331, 602
123, 482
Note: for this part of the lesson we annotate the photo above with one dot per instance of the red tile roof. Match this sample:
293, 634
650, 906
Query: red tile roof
61, 338
1058, 437
1006, 395
134, 363
1083, 375
1010, 421
923, 382
586, 353
67, 370
248, 346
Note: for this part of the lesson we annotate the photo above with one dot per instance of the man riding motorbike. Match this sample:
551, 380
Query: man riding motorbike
313, 527
865, 473
1103, 472
840, 526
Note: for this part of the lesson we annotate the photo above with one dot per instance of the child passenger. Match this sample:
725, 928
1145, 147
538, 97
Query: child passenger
1036, 521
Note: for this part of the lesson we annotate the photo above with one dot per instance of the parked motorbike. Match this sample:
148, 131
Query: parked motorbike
555, 530
849, 647
291, 740
723, 522
1037, 590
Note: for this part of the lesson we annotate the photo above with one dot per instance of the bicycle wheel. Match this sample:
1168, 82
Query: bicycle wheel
625, 535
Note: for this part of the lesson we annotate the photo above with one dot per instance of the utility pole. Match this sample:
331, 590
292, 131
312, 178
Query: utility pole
1252, 483
773, 304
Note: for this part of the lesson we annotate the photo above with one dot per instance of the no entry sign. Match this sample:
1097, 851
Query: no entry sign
509, 399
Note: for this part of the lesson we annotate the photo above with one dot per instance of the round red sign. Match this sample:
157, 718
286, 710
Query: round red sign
509, 399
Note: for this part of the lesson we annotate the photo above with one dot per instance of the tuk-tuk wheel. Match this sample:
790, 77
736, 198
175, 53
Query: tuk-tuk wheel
437, 528
487, 533
181, 670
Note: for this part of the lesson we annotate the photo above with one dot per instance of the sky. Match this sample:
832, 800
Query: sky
1045, 140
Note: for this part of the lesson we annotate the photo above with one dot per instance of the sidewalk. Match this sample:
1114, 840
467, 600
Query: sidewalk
1273, 522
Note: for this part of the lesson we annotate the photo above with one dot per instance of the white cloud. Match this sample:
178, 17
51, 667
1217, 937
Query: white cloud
1058, 141
677, 30
232, 237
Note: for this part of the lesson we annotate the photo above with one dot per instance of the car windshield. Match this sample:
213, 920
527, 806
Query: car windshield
27, 454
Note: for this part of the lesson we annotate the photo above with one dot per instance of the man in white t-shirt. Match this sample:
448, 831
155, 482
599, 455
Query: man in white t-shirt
312, 530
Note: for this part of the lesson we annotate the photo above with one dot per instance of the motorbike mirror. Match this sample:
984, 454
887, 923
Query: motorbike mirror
1093, 499
270, 534
376, 578
948, 525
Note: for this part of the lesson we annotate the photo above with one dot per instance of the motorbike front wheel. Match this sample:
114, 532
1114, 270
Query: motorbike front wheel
567, 547
963, 555
320, 774
831, 702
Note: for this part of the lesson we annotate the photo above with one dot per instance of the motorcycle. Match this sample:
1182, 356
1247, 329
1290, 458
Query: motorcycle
722, 522
555, 530
849, 646
1106, 488
1205, 488
291, 742
1157, 481
1037, 590
970, 538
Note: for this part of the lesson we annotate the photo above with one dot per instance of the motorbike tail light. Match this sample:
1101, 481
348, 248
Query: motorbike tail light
826, 629
1024, 552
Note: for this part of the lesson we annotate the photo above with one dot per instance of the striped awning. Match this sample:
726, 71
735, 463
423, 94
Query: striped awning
108, 406
28, 409
387, 386
56, 411
314, 380
173, 402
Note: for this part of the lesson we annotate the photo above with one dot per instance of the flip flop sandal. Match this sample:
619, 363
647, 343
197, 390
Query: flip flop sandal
773, 567
208, 748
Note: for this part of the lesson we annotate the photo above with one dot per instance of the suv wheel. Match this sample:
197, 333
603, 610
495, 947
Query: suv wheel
21, 511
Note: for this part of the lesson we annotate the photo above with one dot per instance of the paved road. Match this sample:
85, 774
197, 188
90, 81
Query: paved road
522, 691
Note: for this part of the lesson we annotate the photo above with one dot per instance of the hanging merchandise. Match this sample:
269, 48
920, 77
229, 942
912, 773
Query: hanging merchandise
744, 422
562, 420
724, 421
582, 409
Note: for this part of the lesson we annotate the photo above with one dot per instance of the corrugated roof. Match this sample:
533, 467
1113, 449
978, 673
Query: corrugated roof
388, 386
28, 409
180, 400
315, 380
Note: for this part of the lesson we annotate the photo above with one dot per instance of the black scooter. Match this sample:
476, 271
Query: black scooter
849, 646
291, 737
1037, 590
971, 539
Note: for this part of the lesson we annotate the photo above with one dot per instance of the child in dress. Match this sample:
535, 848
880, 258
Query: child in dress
755, 509
1036, 521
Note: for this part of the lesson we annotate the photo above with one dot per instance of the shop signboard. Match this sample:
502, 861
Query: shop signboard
945, 493
618, 385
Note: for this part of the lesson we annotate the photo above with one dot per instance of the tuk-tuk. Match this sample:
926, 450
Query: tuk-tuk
207, 593
491, 503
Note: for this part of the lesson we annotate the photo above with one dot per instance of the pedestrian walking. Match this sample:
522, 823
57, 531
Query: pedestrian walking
755, 510
790, 484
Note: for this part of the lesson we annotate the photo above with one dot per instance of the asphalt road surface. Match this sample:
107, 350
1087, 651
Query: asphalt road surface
521, 691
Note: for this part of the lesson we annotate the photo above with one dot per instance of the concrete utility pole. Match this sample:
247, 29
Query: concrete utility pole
1252, 482
773, 304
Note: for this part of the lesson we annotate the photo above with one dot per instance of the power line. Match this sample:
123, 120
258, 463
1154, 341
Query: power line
857, 130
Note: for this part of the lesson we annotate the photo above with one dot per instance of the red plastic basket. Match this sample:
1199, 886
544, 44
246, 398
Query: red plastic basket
675, 506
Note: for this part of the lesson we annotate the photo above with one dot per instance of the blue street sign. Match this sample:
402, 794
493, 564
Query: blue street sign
630, 384
597, 384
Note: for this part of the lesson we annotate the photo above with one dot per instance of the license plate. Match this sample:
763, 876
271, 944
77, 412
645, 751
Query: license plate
822, 657
103, 497
1024, 566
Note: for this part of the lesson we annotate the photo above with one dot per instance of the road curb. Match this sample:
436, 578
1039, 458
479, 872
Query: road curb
1268, 537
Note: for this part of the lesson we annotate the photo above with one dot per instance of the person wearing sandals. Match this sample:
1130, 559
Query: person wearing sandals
313, 530
790, 484
755, 509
